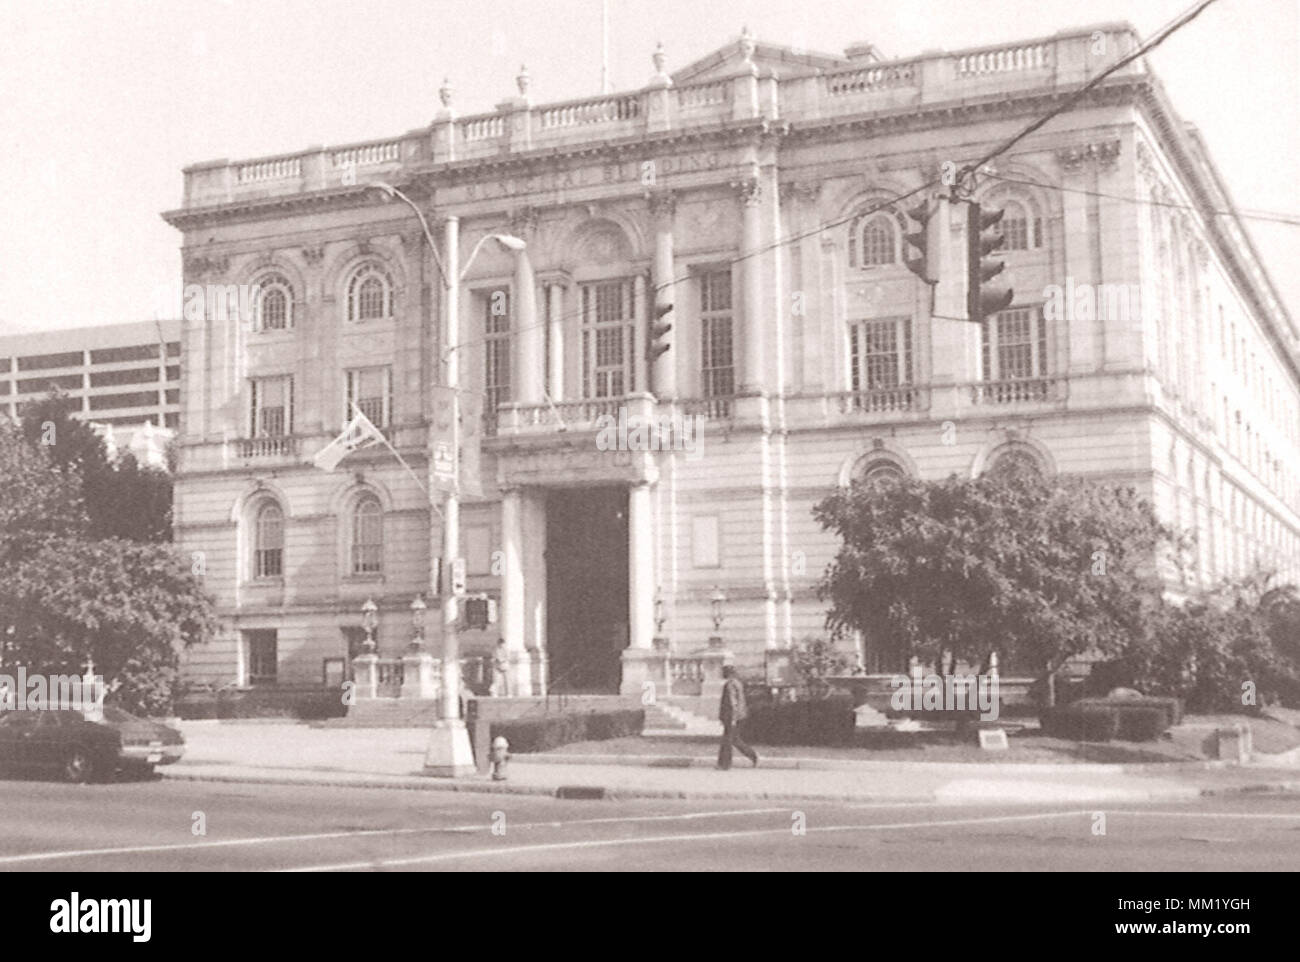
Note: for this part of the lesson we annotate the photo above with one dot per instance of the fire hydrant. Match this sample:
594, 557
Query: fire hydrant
500, 754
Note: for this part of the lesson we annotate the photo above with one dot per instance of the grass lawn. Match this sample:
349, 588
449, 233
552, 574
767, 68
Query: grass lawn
1191, 741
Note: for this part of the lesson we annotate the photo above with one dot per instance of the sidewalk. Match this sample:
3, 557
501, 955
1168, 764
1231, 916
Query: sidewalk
393, 758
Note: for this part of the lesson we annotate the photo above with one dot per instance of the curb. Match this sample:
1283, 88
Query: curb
475, 785
866, 766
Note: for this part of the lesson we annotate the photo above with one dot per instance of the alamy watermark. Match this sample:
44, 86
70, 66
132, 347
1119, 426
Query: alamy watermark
669, 432
40, 692
955, 692
1092, 302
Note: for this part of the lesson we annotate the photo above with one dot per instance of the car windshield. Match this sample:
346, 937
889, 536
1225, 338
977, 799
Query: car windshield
114, 714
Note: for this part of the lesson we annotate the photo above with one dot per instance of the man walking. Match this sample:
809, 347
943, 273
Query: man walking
731, 713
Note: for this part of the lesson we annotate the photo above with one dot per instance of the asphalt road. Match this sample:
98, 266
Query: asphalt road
150, 826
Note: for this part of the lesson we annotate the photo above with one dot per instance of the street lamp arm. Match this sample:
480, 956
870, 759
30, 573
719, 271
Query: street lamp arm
506, 240
392, 191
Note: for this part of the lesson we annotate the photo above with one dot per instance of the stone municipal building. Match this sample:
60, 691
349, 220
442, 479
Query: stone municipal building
751, 191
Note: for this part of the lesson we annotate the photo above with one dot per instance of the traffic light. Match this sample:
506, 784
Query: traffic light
657, 333
924, 262
480, 612
981, 239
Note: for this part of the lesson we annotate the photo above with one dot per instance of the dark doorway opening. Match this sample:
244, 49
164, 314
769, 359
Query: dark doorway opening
586, 588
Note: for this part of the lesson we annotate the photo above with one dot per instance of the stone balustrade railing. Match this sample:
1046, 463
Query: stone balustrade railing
1066, 60
905, 397
391, 673
281, 446
579, 112
258, 171
366, 155
1018, 390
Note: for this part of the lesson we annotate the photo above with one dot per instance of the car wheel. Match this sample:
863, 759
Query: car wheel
78, 767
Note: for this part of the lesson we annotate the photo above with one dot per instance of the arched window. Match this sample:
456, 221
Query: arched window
370, 295
1013, 461
367, 537
274, 303
1021, 231
268, 541
873, 240
879, 470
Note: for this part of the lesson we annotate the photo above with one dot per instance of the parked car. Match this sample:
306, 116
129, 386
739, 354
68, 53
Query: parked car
67, 744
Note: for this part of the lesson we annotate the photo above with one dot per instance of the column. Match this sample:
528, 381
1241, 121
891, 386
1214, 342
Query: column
639, 373
750, 191
512, 571
530, 355
664, 373
639, 655
641, 573
528, 671
555, 319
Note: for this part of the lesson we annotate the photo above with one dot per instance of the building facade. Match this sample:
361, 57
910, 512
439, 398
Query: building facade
755, 192
125, 379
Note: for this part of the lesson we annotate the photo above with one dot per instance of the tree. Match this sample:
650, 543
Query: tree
67, 597
39, 501
1038, 569
122, 499
127, 606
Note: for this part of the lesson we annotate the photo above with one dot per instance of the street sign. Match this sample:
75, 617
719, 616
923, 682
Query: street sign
444, 462
458, 576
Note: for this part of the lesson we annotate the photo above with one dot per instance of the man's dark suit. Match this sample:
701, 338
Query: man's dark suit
731, 712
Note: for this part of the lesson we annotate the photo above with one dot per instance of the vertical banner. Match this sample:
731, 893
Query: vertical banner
442, 440
471, 437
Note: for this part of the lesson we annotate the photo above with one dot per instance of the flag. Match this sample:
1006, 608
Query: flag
359, 433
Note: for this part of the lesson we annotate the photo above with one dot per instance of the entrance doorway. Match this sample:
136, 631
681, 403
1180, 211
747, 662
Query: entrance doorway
586, 588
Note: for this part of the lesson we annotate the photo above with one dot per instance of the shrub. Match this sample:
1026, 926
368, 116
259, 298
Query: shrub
1171, 708
531, 735
308, 704
824, 721
1142, 724
1085, 724
603, 726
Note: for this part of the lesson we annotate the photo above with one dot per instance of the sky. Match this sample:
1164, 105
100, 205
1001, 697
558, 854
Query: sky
102, 102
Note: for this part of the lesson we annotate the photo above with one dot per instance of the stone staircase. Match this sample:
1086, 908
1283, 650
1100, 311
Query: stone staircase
682, 717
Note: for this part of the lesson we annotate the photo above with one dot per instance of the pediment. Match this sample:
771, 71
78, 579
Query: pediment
768, 57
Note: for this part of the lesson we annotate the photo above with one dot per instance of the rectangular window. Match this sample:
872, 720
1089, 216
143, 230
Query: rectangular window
263, 657
43, 385
880, 352
371, 390
271, 409
717, 355
112, 355
1014, 345
140, 399
496, 348
608, 327
132, 375
42, 362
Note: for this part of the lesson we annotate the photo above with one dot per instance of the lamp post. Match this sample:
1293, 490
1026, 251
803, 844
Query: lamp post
716, 601
370, 621
449, 751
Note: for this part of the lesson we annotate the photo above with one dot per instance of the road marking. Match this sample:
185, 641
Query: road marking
695, 837
1211, 814
361, 833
